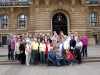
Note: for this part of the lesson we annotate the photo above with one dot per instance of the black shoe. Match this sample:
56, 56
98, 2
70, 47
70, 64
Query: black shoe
8, 58
80, 63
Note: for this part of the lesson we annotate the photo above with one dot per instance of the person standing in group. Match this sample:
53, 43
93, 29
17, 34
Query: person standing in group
17, 51
55, 44
34, 47
72, 45
9, 46
79, 50
84, 40
28, 52
42, 49
22, 50
48, 45
12, 47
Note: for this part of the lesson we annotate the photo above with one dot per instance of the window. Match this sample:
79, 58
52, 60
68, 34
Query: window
4, 22
93, 19
22, 21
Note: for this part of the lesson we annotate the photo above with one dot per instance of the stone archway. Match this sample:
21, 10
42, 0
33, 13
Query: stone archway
60, 22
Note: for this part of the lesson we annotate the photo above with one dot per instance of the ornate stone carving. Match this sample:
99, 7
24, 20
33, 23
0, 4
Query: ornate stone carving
37, 2
47, 10
82, 9
47, 2
73, 2
73, 9
60, 4
12, 15
12, 9
3, 10
37, 10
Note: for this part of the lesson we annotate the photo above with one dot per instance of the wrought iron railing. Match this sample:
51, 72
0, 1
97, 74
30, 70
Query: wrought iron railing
13, 2
93, 1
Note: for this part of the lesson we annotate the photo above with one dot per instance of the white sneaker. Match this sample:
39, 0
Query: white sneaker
40, 64
27, 64
17, 61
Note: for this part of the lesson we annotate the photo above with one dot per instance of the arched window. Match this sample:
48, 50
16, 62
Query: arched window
93, 19
4, 22
22, 21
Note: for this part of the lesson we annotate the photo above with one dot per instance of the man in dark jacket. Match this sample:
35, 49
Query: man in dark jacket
72, 45
22, 50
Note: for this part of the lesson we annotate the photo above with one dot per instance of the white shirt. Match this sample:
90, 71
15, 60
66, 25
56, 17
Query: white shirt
66, 45
48, 47
28, 47
79, 44
42, 47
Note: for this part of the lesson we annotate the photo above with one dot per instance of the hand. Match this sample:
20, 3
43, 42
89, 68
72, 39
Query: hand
80, 50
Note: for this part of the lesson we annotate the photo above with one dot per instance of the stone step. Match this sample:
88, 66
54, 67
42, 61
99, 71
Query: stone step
10, 62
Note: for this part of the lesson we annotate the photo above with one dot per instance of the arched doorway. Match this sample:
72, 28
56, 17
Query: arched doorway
59, 23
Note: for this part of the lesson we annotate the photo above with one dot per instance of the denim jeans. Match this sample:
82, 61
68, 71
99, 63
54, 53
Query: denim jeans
18, 57
59, 62
12, 54
68, 60
32, 56
42, 57
72, 51
9, 52
51, 62
84, 50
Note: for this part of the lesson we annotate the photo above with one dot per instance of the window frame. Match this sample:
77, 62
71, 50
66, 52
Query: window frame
2, 23
95, 16
24, 21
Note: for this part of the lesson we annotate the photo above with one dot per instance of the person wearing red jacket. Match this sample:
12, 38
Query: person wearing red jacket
48, 45
69, 57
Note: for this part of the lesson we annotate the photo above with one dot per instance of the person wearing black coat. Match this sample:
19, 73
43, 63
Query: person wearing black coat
72, 45
22, 50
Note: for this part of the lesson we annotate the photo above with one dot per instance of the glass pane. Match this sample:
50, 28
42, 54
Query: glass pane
4, 22
22, 21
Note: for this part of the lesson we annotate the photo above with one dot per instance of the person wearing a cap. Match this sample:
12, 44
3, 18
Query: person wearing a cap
52, 57
35, 46
27, 52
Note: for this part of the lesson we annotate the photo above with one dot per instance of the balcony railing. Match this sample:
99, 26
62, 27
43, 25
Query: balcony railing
93, 1
13, 2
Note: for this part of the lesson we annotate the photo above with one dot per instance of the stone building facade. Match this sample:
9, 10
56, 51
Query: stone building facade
45, 16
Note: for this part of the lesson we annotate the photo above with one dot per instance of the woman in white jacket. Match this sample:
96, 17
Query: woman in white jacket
17, 51
28, 52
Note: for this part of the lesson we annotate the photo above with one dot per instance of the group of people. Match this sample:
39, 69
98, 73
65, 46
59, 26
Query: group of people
50, 49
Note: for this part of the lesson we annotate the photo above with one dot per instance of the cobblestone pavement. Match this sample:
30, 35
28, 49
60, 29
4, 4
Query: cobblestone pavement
88, 68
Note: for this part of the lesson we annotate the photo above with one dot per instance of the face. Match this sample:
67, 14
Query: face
42, 41
54, 41
51, 49
48, 41
23, 41
11, 35
78, 40
72, 37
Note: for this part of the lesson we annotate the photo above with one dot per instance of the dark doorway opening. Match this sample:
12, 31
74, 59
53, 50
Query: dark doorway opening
59, 23
4, 40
